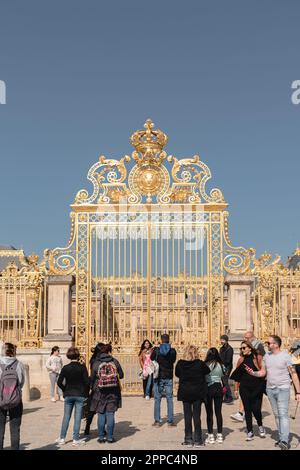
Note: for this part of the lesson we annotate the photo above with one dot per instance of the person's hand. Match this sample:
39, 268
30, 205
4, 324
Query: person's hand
249, 370
297, 397
236, 394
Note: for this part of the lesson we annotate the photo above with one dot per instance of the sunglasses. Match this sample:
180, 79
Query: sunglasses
243, 348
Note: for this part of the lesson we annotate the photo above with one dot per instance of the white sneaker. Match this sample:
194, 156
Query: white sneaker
80, 442
147, 397
238, 417
261, 431
62, 399
60, 441
53, 399
219, 438
250, 436
210, 439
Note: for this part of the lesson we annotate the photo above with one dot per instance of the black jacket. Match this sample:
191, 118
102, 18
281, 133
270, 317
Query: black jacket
105, 399
74, 380
192, 382
226, 355
166, 357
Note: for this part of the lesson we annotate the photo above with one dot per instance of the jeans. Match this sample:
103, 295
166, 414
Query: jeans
53, 381
109, 419
163, 387
70, 402
192, 410
148, 385
15, 419
279, 399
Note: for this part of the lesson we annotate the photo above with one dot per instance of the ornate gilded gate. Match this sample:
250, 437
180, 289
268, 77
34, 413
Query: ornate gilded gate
149, 248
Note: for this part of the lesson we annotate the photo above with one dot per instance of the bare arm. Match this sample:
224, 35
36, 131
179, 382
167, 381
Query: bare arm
260, 373
295, 380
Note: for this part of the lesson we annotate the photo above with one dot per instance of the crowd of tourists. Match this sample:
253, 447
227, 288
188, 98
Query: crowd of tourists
205, 382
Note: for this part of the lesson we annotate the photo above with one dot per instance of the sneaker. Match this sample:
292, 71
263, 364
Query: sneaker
60, 441
172, 425
78, 442
250, 436
219, 438
101, 441
61, 399
210, 439
111, 441
147, 397
229, 401
284, 445
198, 444
157, 424
187, 444
277, 443
53, 399
238, 417
261, 431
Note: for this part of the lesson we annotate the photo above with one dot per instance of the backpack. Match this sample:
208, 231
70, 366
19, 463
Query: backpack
10, 390
107, 375
155, 366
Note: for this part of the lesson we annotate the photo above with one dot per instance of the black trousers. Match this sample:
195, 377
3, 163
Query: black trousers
15, 419
192, 411
214, 397
252, 401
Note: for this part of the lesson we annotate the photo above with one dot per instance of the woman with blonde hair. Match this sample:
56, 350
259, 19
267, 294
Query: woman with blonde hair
192, 391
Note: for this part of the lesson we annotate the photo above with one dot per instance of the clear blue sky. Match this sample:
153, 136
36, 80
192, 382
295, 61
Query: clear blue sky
214, 75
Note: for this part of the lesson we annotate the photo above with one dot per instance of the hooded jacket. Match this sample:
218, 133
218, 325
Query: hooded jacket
105, 399
6, 360
192, 382
166, 357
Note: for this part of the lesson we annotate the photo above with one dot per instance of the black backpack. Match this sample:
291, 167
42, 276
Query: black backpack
10, 390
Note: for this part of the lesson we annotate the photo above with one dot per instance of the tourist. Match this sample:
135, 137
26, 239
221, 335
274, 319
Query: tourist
279, 370
295, 355
147, 370
90, 414
258, 345
74, 382
251, 389
106, 398
12, 378
214, 394
54, 365
165, 355
226, 355
192, 391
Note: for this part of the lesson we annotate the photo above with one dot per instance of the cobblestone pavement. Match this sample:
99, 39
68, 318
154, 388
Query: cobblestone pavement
42, 420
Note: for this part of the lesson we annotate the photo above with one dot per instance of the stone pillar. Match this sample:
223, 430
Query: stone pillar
239, 303
59, 311
239, 308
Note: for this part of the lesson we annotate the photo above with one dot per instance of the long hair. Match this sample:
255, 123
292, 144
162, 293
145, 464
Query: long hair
143, 345
190, 353
213, 357
96, 351
253, 350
